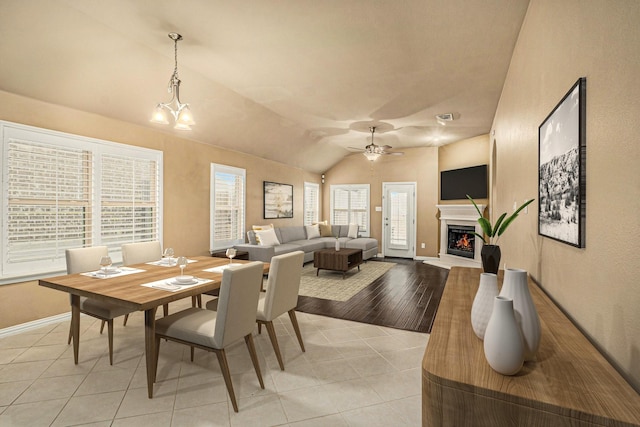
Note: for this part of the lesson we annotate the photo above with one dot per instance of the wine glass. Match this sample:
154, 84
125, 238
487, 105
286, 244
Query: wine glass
231, 252
105, 263
182, 263
168, 255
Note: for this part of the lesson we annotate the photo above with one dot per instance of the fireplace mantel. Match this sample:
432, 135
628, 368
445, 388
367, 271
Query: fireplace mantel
459, 215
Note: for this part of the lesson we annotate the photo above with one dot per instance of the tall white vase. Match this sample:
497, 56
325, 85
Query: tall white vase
483, 303
516, 287
503, 346
337, 245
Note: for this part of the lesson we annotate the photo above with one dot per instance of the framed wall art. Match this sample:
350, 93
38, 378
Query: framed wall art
278, 200
562, 169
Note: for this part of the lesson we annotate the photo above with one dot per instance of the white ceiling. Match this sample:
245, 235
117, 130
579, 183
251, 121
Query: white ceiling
295, 81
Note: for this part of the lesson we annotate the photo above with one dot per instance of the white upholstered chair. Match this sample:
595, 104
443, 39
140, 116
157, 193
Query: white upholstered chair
281, 296
216, 330
81, 260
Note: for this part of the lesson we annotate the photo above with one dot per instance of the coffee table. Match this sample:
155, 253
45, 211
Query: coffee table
342, 260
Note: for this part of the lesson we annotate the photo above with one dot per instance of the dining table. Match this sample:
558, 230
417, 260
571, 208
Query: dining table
141, 287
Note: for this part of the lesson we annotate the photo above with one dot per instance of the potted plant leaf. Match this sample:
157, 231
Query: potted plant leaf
490, 253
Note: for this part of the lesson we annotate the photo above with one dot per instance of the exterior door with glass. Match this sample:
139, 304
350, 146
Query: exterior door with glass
399, 225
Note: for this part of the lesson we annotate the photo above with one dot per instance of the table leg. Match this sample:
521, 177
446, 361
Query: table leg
75, 325
150, 347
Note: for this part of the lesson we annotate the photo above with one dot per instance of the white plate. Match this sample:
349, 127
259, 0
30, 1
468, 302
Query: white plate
110, 270
175, 282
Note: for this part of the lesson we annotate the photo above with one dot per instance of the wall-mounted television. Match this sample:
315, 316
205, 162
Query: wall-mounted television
455, 184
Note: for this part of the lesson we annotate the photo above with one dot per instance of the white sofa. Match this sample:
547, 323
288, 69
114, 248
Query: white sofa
295, 239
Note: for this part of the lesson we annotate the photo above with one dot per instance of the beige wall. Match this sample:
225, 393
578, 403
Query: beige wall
598, 285
418, 165
186, 190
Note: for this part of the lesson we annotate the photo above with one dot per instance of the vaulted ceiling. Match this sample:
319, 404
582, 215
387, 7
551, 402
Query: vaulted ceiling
295, 81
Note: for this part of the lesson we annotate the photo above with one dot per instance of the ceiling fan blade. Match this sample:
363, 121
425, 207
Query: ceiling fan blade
386, 147
356, 149
395, 153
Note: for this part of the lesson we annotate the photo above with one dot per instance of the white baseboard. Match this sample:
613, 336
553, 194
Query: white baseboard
24, 327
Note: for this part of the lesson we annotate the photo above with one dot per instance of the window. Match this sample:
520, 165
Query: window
311, 203
227, 206
65, 191
350, 205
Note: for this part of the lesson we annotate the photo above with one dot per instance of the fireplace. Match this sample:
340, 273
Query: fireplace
461, 240
458, 244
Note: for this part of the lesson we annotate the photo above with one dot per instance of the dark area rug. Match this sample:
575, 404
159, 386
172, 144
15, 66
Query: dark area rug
405, 297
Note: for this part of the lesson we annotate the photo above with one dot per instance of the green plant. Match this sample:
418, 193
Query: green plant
500, 225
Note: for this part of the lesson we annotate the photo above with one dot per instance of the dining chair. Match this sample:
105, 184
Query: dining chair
81, 260
139, 253
283, 285
216, 330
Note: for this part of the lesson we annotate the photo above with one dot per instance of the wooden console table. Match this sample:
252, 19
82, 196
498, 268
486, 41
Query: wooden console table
570, 384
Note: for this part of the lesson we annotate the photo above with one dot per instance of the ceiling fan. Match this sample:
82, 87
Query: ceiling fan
373, 151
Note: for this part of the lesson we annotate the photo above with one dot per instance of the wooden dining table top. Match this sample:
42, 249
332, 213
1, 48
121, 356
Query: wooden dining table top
127, 290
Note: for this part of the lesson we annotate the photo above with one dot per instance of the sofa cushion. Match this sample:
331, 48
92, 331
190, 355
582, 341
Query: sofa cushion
251, 236
325, 230
260, 228
313, 231
267, 237
309, 245
353, 231
364, 243
285, 248
289, 234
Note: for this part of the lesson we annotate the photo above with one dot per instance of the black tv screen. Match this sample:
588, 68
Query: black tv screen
457, 183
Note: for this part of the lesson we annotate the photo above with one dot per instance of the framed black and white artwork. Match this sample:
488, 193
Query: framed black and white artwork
278, 200
562, 169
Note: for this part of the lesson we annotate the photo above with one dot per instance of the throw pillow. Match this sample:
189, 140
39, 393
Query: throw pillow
353, 231
313, 231
267, 237
325, 230
261, 228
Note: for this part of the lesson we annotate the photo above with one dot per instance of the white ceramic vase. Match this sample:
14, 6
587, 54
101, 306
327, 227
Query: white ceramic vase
516, 287
483, 303
337, 245
503, 346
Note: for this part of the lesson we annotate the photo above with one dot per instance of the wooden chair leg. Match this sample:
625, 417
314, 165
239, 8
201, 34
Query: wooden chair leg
192, 353
165, 310
259, 327
110, 334
224, 367
296, 327
70, 334
274, 342
196, 301
102, 326
254, 357
126, 317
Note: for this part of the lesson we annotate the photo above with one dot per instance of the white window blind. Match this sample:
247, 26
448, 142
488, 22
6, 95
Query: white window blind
227, 206
64, 191
350, 205
311, 203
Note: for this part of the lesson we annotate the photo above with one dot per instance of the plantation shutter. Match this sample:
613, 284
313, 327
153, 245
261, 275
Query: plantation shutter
228, 206
350, 205
129, 200
311, 203
49, 201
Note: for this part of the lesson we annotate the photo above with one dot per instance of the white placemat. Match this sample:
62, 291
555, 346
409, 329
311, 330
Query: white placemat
173, 262
221, 268
172, 286
120, 271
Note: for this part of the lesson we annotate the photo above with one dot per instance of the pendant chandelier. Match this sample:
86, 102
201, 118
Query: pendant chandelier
372, 151
180, 112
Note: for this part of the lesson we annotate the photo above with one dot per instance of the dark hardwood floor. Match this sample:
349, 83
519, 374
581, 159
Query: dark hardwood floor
405, 297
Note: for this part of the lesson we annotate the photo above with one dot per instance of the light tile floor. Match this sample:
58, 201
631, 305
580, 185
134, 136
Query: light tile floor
352, 374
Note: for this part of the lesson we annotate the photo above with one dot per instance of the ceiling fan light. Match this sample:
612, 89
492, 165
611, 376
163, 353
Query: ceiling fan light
371, 156
159, 116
